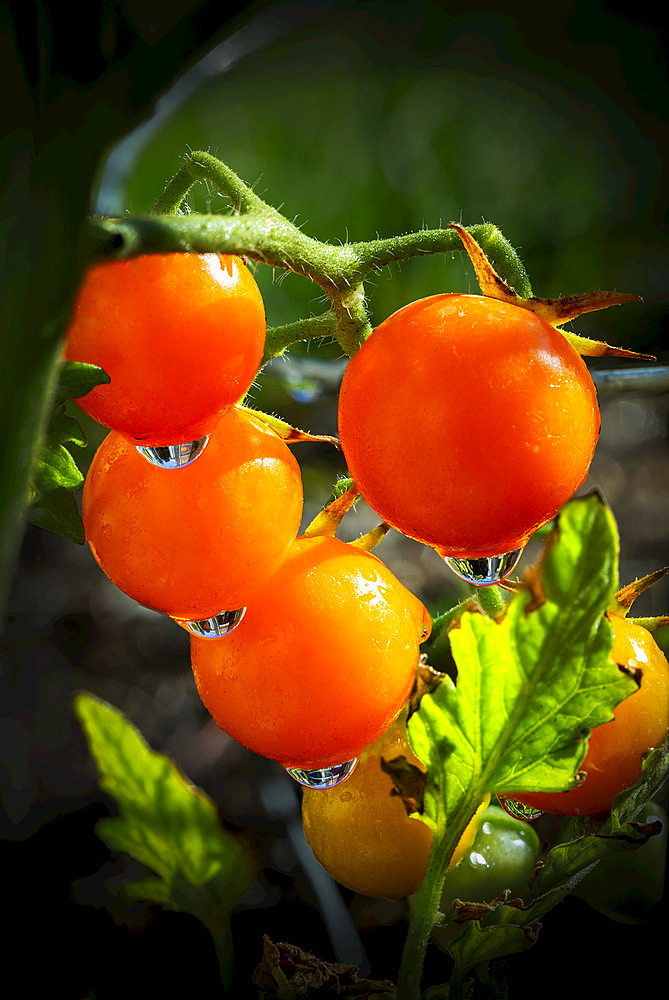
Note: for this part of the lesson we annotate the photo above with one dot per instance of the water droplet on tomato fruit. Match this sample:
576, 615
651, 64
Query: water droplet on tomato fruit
324, 777
484, 571
173, 456
519, 810
219, 625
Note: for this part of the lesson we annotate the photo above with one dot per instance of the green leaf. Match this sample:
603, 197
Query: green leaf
531, 687
165, 822
56, 469
479, 944
77, 379
56, 472
58, 511
65, 429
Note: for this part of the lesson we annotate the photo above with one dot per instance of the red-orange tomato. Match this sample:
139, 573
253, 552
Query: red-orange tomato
467, 423
180, 335
641, 721
195, 541
322, 662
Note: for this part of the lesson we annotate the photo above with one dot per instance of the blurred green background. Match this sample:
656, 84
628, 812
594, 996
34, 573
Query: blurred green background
379, 118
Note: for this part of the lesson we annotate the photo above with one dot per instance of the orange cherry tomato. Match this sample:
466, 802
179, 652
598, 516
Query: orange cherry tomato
360, 831
180, 335
194, 541
641, 721
322, 662
467, 423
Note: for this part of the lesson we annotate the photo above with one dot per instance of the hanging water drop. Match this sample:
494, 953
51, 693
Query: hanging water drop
324, 777
519, 810
173, 456
217, 626
484, 571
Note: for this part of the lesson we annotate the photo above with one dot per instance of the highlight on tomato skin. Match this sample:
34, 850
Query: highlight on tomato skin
361, 833
641, 721
467, 423
199, 540
180, 335
322, 662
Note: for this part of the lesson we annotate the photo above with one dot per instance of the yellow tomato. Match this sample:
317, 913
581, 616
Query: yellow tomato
360, 832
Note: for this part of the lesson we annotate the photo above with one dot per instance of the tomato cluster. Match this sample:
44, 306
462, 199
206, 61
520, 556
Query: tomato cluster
469, 448
321, 640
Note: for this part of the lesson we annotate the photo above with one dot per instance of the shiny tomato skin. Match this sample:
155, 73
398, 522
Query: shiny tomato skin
641, 721
467, 423
361, 833
322, 662
180, 335
194, 541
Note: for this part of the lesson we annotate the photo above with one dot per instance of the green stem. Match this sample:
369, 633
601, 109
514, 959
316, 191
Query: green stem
426, 902
491, 601
442, 623
377, 253
278, 338
203, 166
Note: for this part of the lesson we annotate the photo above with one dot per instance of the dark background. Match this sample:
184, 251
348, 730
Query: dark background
355, 119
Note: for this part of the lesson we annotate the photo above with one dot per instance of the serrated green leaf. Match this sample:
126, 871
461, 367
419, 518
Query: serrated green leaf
59, 511
531, 687
56, 469
76, 379
587, 840
164, 822
479, 944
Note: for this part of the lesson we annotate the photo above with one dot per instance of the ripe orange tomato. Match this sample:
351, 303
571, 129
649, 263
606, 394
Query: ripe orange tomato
180, 335
360, 832
194, 541
467, 423
641, 721
322, 662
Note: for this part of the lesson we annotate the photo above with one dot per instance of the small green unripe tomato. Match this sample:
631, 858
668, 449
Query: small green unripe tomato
502, 856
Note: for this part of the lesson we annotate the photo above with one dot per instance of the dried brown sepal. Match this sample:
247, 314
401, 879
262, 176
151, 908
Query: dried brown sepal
371, 539
409, 782
328, 520
465, 910
288, 433
285, 967
553, 311
427, 680
626, 596
532, 581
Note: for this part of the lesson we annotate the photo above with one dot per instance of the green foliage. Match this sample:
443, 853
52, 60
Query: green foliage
531, 686
167, 824
56, 475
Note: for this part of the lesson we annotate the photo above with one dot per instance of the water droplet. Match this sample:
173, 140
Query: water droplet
324, 777
519, 810
173, 456
485, 570
219, 625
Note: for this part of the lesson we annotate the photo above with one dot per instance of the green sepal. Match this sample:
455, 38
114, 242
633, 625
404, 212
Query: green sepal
76, 379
